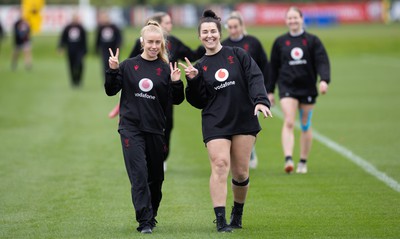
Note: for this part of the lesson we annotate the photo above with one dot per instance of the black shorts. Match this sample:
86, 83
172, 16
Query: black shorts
308, 100
228, 137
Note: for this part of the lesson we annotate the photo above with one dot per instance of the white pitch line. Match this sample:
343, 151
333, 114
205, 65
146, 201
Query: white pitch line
362, 163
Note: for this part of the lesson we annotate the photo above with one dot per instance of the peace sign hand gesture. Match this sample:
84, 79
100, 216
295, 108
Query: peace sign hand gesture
175, 72
190, 71
113, 60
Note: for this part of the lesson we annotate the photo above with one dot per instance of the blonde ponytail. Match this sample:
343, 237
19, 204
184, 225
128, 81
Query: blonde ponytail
153, 26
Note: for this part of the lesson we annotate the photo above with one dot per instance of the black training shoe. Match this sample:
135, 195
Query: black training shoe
146, 230
153, 223
221, 225
236, 218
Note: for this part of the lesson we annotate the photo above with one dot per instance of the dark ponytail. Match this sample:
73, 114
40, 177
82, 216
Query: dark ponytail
210, 16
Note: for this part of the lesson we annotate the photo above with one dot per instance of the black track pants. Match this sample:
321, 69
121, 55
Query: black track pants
144, 155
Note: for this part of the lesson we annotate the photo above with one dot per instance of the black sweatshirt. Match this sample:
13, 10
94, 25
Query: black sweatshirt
73, 38
22, 32
108, 36
176, 50
253, 46
227, 89
146, 88
295, 63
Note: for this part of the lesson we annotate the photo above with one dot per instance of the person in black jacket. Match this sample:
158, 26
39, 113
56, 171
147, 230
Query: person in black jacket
73, 38
297, 57
108, 35
147, 83
176, 51
22, 43
228, 86
238, 37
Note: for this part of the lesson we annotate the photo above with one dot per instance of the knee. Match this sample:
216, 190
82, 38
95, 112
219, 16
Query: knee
220, 166
289, 124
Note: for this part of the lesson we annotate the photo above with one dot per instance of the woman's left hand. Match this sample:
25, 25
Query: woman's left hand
264, 109
175, 72
323, 87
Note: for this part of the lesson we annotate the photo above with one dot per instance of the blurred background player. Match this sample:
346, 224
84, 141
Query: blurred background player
228, 86
22, 43
238, 37
73, 38
108, 35
297, 57
147, 83
1, 35
176, 51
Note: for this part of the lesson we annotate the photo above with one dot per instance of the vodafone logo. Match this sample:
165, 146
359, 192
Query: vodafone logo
221, 75
74, 34
107, 34
145, 85
296, 53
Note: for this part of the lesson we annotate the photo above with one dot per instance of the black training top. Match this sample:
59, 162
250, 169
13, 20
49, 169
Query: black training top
227, 88
73, 38
146, 87
253, 46
108, 36
22, 32
176, 50
295, 63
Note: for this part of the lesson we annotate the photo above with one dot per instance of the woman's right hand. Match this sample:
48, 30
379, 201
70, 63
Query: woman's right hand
271, 99
190, 71
113, 60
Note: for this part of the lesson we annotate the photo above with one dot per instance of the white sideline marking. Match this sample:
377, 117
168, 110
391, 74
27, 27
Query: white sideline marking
362, 163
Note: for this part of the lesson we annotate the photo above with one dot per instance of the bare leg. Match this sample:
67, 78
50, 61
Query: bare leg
219, 154
306, 136
240, 151
289, 108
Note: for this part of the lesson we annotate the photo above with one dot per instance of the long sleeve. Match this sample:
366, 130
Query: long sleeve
321, 60
196, 92
177, 92
254, 78
275, 66
113, 82
262, 62
97, 43
84, 41
63, 39
137, 49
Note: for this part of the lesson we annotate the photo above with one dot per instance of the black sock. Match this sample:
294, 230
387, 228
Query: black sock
219, 211
303, 160
237, 208
287, 158
238, 205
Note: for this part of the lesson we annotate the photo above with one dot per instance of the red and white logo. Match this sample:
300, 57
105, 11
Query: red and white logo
296, 53
145, 85
221, 75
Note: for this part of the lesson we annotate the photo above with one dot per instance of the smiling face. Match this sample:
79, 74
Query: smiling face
210, 37
294, 21
235, 29
151, 45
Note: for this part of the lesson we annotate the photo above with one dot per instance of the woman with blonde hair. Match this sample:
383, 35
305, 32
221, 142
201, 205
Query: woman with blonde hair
147, 83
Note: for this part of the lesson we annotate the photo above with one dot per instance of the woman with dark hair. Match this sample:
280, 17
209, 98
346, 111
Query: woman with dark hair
228, 86
146, 83
297, 57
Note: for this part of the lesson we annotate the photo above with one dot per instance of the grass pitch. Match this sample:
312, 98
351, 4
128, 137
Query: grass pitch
62, 173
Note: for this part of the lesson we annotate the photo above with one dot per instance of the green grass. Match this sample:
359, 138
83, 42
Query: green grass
62, 174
